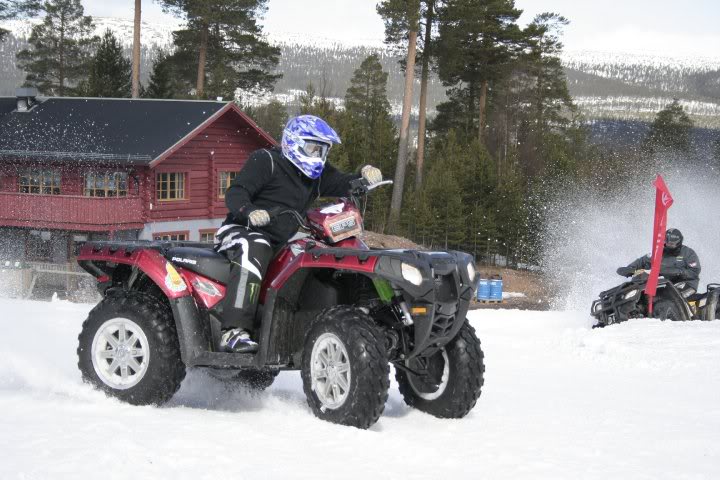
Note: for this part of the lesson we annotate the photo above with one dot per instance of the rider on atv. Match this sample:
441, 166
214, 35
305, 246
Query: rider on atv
275, 179
679, 262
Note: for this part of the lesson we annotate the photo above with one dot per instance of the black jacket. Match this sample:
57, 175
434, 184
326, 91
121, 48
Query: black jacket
268, 180
676, 266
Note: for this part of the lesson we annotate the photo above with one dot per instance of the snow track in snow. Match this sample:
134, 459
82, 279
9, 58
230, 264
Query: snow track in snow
637, 400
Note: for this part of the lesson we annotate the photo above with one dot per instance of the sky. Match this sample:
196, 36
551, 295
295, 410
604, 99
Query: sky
668, 27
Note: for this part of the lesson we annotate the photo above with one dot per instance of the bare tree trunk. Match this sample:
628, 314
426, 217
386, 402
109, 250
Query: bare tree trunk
481, 119
202, 58
136, 52
61, 60
423, 95
398, 186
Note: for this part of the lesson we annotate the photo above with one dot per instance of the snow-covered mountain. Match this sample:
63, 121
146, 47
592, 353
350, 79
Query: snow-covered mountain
155, 34
604, 84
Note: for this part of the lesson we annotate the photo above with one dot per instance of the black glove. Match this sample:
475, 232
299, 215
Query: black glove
626, 271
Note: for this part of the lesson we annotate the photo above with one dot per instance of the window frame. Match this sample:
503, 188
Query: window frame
207, 231
231, 174
185, 233
106, 176
30, 173
186, 188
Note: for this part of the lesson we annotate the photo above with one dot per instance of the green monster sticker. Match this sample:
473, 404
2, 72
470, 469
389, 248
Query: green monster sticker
254, 291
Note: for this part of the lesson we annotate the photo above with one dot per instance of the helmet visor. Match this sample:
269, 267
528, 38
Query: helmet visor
314, 149
672, 240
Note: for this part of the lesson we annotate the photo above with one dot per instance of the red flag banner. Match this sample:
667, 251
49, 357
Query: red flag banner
663, 201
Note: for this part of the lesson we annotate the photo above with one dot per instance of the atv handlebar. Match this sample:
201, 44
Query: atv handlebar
360, 186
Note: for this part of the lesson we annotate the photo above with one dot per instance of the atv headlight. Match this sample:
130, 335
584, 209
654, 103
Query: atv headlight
471, 271
411, 274
630, 294
597, 307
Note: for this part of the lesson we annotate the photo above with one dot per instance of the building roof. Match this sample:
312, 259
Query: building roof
7, 105
134, 131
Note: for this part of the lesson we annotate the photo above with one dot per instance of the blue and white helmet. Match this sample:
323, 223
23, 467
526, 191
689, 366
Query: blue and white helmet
306, 141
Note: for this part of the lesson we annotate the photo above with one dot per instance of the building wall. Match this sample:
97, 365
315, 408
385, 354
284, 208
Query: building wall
72, 175
225, 145
12, 244
192, 227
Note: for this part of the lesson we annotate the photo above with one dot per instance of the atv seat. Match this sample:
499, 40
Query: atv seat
204, 261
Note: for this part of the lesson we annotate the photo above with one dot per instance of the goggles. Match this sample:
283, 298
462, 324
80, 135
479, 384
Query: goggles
314, 148
672, 240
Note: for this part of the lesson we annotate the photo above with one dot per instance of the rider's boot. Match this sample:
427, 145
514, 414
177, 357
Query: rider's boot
237, 340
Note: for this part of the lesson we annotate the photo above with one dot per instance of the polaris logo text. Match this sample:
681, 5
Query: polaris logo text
184, 260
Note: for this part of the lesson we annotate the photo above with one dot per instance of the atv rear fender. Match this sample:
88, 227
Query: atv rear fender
103, 260
713, 296
668, 291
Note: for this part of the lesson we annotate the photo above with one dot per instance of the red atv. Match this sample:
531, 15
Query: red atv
329, 306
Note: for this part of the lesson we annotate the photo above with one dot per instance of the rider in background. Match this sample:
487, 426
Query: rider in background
679, 263
273, 180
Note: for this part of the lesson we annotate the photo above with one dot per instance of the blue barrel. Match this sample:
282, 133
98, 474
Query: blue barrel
483, 292
496, 288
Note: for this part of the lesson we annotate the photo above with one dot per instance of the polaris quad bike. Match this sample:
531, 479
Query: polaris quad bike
674, 301
329, 306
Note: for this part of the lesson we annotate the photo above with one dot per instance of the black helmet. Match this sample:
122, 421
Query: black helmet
673, 239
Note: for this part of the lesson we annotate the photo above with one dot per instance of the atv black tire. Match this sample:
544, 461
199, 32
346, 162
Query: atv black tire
254, 379
162, 370
665, 309
461, 383
360, 352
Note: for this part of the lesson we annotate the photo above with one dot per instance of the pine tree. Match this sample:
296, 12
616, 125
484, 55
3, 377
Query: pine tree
402, 18
110, 72
477, 40
271, 117
61, 47
549, 121
223, 40
162, 81
368, 132
670, 130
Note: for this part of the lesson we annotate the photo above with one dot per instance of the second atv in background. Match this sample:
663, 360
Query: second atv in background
672, 302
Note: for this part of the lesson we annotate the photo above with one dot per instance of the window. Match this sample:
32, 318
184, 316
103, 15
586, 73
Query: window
171, 236
226, 179
42, 182
207, 236
109, 184
170, 186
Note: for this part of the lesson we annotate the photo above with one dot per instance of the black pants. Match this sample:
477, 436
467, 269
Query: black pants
249, 253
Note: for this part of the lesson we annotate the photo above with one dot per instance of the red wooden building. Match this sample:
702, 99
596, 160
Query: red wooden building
73, 169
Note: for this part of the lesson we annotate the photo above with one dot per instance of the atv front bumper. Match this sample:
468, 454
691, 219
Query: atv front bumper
617, 305
443, 296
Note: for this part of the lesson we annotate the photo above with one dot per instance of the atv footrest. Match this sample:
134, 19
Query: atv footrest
219, 359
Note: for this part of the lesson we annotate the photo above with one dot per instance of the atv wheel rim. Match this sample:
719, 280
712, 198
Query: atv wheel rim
330, 371
120, 353
423, 388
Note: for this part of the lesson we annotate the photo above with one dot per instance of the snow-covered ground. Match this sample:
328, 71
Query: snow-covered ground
638, 400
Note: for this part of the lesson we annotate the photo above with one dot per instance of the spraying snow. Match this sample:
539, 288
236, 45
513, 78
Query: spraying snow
590, 234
